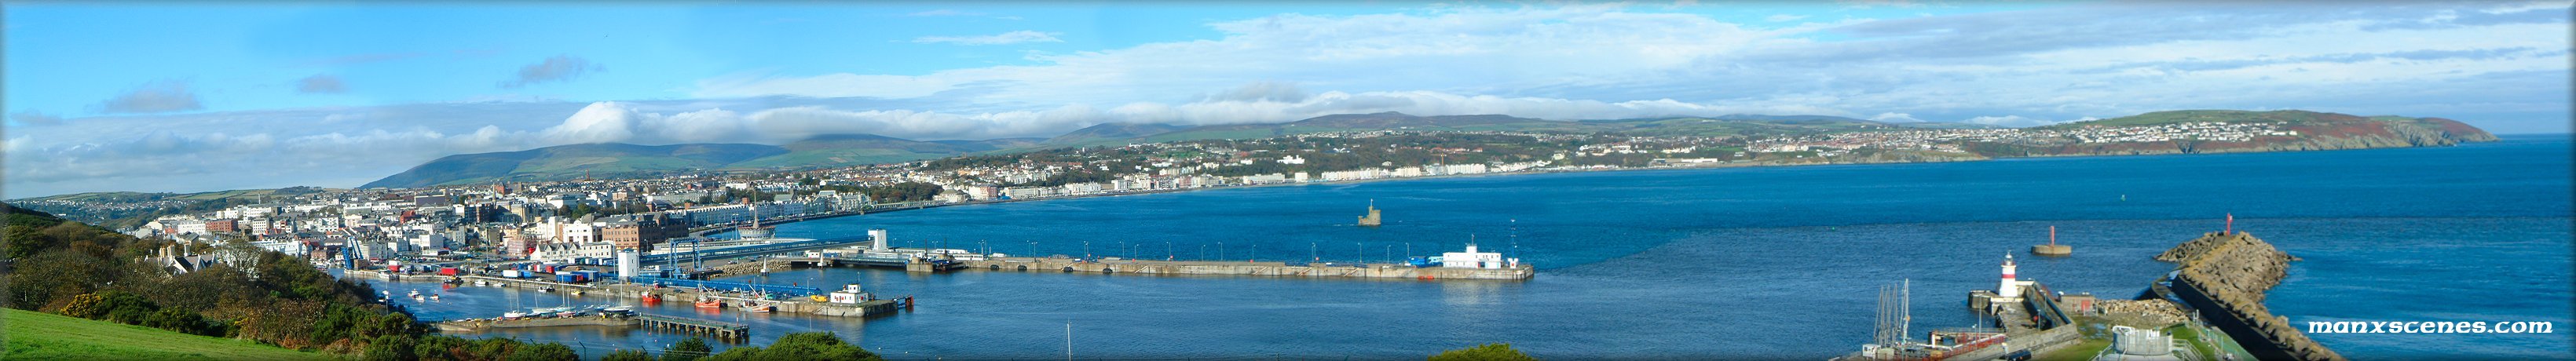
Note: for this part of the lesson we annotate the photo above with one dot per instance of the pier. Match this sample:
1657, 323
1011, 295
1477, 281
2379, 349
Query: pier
720, 330
711, 328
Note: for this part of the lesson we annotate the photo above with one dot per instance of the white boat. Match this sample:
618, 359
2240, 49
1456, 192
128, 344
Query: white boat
415, 293
514, 314
479, 283
433, 297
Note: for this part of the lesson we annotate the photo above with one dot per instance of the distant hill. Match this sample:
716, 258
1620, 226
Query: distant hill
572, 161
1102, 134
2323, 130
857, 149
2303, 130
605, 160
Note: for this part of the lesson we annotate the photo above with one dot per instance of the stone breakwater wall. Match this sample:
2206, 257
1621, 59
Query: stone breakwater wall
2224, 276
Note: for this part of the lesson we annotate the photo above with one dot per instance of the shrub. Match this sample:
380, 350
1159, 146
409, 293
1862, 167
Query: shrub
1486, 352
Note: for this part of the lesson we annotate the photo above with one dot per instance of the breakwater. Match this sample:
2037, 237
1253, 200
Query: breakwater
1373, 270
2223, 275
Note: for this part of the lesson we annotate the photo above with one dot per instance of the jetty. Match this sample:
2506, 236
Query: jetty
719, 330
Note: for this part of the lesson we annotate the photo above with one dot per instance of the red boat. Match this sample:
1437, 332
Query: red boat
704, 303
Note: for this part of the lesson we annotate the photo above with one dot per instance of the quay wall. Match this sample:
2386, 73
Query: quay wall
666, 294
1378, 270
486, 324
2224, 277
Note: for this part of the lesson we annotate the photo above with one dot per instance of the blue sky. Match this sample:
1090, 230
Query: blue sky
180, 97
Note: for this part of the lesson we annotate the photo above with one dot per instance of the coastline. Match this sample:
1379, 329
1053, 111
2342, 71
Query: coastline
701, 234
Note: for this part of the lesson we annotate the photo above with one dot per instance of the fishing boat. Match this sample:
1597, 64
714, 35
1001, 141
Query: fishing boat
709, 303
763, 308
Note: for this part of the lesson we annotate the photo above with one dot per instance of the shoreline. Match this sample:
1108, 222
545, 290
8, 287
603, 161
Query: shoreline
701, 234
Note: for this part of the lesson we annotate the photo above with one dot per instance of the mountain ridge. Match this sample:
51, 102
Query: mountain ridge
2333, 130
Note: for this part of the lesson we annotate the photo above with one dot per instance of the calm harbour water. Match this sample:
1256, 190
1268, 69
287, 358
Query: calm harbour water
1748, 262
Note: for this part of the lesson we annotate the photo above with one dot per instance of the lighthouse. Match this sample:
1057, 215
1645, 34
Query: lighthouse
2008, 289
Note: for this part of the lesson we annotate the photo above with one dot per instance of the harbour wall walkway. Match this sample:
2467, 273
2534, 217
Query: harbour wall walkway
1373, 270
2223, 276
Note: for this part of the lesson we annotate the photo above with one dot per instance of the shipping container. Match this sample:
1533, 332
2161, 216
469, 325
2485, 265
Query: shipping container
447, 271
567, 278
513, 274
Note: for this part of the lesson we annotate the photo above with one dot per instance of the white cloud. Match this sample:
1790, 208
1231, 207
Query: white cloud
1783, 18
158, 97
2011, 121
1895, 118
1015, 37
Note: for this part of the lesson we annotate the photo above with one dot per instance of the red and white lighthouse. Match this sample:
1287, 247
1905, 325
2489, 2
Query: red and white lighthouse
2008, 289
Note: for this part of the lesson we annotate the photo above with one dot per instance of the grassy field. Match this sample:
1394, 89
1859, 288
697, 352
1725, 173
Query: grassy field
43, 336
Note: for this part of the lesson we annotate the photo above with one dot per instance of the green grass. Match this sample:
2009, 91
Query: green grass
42, 336
2079, 351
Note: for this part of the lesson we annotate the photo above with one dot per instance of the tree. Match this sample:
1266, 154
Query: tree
545, 352
23, 241
1486, 352
815, 346
687, 350
627, 355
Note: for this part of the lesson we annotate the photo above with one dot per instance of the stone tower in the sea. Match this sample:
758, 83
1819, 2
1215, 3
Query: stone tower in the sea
1370, 220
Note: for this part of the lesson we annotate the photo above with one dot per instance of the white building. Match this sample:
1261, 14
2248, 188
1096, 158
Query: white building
1473, 259
566, 252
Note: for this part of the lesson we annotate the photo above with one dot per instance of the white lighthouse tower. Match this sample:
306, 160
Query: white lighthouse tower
2008, 289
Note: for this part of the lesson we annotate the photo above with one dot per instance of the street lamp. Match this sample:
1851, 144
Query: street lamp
1086, 250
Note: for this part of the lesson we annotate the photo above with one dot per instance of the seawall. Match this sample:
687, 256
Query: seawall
1375, 270
2224, 276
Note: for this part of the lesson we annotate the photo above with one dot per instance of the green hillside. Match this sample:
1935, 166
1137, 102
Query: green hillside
1107, 134
2225, 116
43, 336
854, 149
573, 161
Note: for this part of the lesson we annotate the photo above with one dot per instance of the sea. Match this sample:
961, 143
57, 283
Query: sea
1760, 262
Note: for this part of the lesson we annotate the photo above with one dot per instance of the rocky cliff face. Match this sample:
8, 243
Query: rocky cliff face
2224, 276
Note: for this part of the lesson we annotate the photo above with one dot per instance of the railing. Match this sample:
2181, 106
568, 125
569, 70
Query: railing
792, 291
730, 252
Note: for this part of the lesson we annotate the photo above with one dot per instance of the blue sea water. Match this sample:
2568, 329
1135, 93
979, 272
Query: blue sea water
1745, 262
